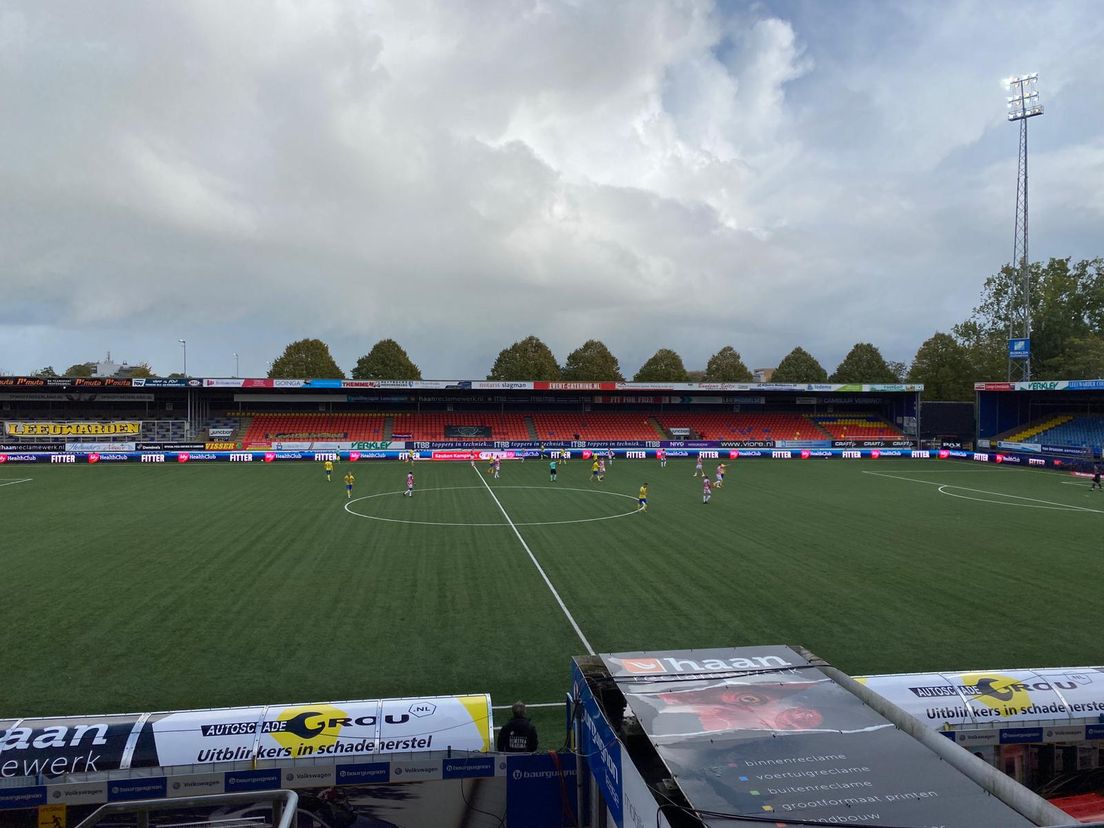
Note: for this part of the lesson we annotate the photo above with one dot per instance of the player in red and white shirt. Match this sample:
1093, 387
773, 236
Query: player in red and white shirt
497, 467
601, 468
661, 456
409, 484
707, 489
698, 470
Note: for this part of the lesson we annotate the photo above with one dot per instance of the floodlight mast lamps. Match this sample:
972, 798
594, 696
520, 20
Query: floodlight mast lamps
236, 368
1023, 103
184, 345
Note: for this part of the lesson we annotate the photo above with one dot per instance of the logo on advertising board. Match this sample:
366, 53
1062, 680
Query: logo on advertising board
852, 455
152, 458
241, 457
781, 455
705, 662
63, 458
323, 729
220, 446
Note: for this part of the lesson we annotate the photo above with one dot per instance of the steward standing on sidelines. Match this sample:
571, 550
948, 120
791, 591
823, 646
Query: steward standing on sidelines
518, 735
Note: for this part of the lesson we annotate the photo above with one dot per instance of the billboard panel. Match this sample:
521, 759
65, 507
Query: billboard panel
57, 746
760, 732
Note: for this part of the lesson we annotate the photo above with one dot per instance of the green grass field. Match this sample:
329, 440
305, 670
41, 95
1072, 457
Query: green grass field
164, 587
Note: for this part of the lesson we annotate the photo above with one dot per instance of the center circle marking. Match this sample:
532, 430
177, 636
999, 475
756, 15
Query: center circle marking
399, 492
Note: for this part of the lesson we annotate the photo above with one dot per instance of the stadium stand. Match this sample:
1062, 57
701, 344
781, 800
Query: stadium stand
596, 425
1032, 432
269, 427
1066, 431
432, 425
859, 428
741, 426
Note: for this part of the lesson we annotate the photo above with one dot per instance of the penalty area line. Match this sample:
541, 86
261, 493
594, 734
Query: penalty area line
13, 482
536, 563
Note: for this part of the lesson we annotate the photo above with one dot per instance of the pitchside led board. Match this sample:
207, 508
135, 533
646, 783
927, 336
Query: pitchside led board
54, 747
759, 731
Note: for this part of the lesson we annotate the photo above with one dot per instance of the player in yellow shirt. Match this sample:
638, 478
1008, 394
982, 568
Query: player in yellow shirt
349, 481
594, 471
328, 466
643, 499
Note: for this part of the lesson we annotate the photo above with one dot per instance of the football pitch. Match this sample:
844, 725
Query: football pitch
128, 588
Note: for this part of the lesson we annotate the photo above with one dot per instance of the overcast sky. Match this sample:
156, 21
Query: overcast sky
653, 173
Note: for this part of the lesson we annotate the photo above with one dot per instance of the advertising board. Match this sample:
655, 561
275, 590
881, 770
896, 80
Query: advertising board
995, 697
761, 731
58, 746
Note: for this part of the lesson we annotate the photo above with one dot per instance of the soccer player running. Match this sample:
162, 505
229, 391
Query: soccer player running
643, 499
552, 470
1096, 477
349, 481
328, 466
707, 489
720, 475
594, 471
698, 471
497, 467
601, 468
409, 484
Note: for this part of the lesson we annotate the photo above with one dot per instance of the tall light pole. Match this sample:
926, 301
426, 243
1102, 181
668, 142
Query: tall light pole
184, 344
236, 368
1023, 103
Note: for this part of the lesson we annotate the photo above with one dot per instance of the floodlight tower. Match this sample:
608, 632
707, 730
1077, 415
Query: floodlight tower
1023, 103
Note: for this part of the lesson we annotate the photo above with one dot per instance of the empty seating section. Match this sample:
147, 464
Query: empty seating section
1078, 431
595, 425
555, 425
745, 426
859, 428
1030, 434
431, 425
297, 427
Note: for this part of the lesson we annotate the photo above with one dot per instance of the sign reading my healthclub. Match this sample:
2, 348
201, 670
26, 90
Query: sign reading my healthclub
758, 731
54, 747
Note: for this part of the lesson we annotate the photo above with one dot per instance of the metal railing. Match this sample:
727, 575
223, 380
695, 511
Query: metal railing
284, 806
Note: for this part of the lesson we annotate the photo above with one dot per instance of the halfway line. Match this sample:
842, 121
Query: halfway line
540, 569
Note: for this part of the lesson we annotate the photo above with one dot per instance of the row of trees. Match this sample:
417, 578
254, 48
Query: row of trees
532, 359
1067, 309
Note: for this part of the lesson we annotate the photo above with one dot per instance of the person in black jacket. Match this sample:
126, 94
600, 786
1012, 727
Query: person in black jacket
518, 735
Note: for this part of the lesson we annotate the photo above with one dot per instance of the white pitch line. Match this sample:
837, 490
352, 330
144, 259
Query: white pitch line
13, 482
1068, 506
536, 563
543, 704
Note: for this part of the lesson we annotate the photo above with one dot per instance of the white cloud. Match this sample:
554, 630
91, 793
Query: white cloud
459, 175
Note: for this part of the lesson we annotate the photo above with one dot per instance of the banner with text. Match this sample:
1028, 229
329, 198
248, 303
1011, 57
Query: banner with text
72, 428
58, 746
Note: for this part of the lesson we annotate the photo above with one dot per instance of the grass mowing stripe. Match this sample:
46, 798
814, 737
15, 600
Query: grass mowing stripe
536, 563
